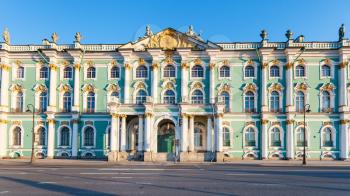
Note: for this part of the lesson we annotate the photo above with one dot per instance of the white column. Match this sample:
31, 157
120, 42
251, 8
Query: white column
4, 87
218, 133
123, 134
290, 139
76, 87
344, 140
184, 134
289, 87
127, 98
264, 138
140, 138
263, 88
155, 82
51, 139
75, 138
212, 83
209, 134
3, 138
184, 81
147, 143
53, 86
114, 145
342, 87
191, 134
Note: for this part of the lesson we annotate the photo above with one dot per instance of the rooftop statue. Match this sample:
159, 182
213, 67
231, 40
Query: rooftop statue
6, 36
77, 37
54, 37
190, 32
148, 31
341, 32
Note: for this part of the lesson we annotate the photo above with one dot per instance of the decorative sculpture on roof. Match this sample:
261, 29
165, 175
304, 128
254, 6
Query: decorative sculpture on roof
263, 34
54, 37
78, 37
169, 40
289, 34
341, 32
191, 33
148, 33
6, 36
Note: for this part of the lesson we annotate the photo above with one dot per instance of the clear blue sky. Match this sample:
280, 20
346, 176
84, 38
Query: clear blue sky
103, 21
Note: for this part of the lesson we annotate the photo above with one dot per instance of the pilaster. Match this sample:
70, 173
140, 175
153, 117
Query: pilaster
3, 138
51, 138
344, 137
290, 137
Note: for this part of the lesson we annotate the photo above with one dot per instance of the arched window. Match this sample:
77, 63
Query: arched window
17, 136
89, 136
141, 97
274, 71
300, 71
20, 72
43, 102
90, 102
197, 71
275, 137
108, 139
67, 73
19, 102
41, 136
225, 71
249, 102
91, 73
250, 137
300, 137
67, 102
44, 73
141, 71
274, 101
226, 137
198, 137
169, 97
249, 71
326, 101
169, 71
299, 102
65, 137
327, 138
115, 72
326, 71
226, 98
197, 97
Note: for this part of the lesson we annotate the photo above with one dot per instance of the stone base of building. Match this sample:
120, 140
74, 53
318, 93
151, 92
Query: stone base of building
117, 156
158, 157
192, 157
219, 157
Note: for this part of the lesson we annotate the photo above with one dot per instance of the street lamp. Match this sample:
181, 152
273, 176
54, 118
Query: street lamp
32, 110
306, 109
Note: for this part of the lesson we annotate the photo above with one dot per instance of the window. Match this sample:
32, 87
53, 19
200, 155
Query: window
17, 136
197, 97
65, 136
274, 101
141, 71
169, 71
198, 137
44, 73
197, 71
68, 73
20, 72
225, 71
43, 102
326, 101
249, 71
89, 136
300, 102
249, 100
67, 102
141, 97
327, 137
108, 139
91, 73
19, 102
226, 137
226, 98
90, 102
300, 137
169, 97
250, 137
115, 72
326, 71
41, 136
300, 71
274, 71
275, 137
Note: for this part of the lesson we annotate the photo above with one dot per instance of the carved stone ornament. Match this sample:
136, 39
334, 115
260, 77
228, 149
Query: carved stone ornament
40, 88
328, 87
16, 122
212, 65
276, 87
88, 88
65, 88
54, 37
343, 64
65, 63
197, 61
17, 88
18, 62
155, 65
289, 121
250, 87
169, 85
327, 123
343, 122
327, 61
197, 85
301, 61
250, 123
89, 122
127, 65
5, 67
250, 62
141, 85
142, 61
90, 63
264, 121
77, 37
184, 65
53, 66
225, 62
77, 66
169, 40
113, 62
225, 87
302, 86
2, 121
6, 36
265, 65
275, 62
289, 65
51, 121
113, 88
169, 59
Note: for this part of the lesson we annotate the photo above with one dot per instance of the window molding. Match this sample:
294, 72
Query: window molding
254, 65
334, 136
12, 129
280, 69
223, 64
134, 68
83, 136
37, 127
162, 67
306, 128
59, 136
279, 127
62, 68
199, 63
38, 68
139, 85
331, 65
256, 137
300, 62
279, 89
109, 68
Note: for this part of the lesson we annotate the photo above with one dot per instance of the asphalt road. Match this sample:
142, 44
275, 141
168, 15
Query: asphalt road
174, 180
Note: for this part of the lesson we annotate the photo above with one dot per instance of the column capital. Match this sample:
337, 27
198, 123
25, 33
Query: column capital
212, 66
123, 115
5, 67
289, 65
289, 121
51, 121
77, 66
219, 115
53, 66
115, 115
3, 121
264, 65
149, 114
343, 64
344, 121
75, 121
185, 65
264, 121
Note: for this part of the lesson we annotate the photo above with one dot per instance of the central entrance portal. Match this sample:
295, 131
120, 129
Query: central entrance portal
166, 136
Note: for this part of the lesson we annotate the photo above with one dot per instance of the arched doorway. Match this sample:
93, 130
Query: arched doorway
166, 136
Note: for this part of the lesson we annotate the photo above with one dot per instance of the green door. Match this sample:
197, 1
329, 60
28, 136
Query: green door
166, 143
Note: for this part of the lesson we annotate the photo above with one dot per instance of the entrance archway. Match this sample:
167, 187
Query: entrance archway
166, 136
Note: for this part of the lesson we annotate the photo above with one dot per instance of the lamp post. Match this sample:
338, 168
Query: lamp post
306, 109
32, 110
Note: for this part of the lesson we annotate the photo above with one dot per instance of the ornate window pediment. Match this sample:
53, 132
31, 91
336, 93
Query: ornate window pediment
40, 88
328, 87
250, 87
16, 88
113, 88
65, 88
140, 85
169, 84
88, 88
301, 86
224, 87
197, 85
276, 87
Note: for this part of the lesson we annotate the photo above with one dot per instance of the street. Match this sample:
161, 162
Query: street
174, 179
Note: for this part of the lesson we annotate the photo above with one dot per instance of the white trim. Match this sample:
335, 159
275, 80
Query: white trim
334, 136
280, 66
59, 136
135, 66
220, 65
85, 72
254, 65
255, 101
192, 64
162, 95
256, 137
36, 132
203, 92
83, 136
11, 143
331, 66
281, 136
62, 73
109, 69
306, 128
163, 65
231, 137
305, 71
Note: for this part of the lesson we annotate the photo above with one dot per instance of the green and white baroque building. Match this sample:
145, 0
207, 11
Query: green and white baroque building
173, 93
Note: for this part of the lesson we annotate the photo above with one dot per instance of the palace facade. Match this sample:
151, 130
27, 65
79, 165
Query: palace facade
172, 94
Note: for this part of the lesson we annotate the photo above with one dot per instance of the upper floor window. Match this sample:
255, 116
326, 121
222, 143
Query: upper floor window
141, 71
225, 71
91, 73
197, 97
141, 97
197, 71
249, 71
20, 72
169, 97
169, 71
275, 137
43, 102
326, 101
249, 100
300, 71
327, 138
299, 101
67, 73
274, 71
89, 136
249, 137
115, 72
67, 102
64, 136
90, 102
226, 98
19, 102
44, 73
41, 136
274, 101
226, 137
326, 71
